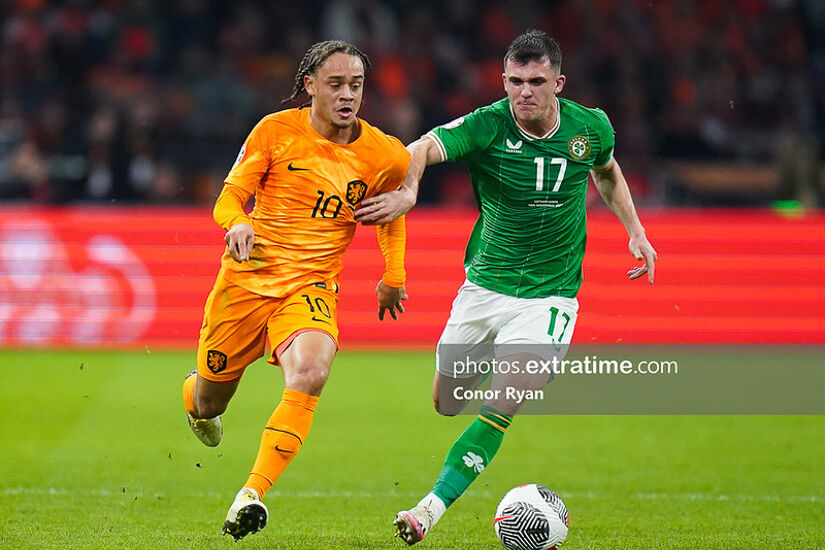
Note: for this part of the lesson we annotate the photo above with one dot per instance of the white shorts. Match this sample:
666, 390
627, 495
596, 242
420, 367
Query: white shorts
484, 324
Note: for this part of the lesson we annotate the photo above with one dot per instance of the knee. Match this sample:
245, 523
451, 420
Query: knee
309, 375
444, 410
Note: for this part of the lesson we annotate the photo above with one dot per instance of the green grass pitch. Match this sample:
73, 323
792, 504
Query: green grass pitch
95, 452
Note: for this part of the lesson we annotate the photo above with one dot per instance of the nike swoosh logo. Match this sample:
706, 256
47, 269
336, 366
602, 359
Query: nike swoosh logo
294, 168
280, 450
501, 518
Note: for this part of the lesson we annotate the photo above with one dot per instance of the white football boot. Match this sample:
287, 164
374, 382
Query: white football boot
412, 525
208, 430
246, 515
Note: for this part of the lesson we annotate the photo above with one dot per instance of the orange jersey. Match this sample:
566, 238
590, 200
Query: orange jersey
306, 191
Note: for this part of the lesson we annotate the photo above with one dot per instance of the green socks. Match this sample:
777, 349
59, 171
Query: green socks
470, 454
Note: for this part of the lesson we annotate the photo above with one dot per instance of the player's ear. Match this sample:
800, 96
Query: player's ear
309, 85
560, 80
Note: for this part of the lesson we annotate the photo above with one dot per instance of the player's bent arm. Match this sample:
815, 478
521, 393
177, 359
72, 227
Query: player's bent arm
612, 187
386, 207
392, 239
230, 215
228, 209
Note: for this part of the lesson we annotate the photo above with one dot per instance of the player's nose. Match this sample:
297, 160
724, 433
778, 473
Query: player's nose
347, 92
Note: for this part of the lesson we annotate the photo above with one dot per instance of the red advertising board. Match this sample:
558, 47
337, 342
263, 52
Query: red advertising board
135, 277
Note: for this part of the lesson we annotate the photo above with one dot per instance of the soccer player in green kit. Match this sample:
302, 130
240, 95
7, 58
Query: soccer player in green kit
529, 156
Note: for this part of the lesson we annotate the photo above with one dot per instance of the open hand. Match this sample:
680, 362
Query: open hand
389, 299
641, 249
386, 207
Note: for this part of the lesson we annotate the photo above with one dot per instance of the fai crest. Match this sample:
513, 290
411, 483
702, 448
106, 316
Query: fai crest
216, 360
579, 147
356, 191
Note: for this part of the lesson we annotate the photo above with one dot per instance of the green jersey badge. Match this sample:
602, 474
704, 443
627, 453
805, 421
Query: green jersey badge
579, 147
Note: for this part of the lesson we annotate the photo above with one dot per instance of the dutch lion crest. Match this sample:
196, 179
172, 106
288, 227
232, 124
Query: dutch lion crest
356, 191
216, 360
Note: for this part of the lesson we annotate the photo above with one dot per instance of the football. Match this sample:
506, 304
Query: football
531, 517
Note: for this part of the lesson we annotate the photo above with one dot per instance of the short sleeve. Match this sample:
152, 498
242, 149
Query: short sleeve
253, 160
607, 139
465, 135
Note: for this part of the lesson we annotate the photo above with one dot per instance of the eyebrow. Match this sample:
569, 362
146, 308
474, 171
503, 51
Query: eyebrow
533, 79
340, 77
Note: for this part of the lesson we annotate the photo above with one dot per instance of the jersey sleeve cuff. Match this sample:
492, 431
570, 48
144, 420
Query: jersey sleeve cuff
395, 278
442, 151
606, 164
240, 219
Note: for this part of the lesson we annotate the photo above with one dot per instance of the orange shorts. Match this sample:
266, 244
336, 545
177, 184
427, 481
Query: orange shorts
237, 322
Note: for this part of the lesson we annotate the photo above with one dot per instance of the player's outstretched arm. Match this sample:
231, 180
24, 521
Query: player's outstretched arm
613, 188
386, 207
389, 299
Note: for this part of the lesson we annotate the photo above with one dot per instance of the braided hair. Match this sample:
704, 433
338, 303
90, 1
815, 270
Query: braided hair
315, 57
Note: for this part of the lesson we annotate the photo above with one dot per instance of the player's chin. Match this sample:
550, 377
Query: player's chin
527, 112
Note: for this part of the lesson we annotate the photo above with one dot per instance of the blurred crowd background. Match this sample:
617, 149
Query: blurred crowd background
713, 102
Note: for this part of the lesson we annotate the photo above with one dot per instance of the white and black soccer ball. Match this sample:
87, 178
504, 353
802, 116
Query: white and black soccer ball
531, 517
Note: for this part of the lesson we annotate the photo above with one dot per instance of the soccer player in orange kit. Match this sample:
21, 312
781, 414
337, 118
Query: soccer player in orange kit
308, 169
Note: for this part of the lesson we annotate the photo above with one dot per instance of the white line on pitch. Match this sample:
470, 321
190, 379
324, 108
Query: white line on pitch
588, 495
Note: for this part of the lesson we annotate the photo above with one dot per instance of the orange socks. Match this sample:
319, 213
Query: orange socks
189, 394
283, 436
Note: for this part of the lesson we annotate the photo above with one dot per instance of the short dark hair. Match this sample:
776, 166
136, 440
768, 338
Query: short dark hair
315, 57
534, 45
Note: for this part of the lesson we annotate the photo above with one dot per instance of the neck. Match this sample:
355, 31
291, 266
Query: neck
342, 135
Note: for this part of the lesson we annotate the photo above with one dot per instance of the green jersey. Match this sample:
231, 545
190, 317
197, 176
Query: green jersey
530, 236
